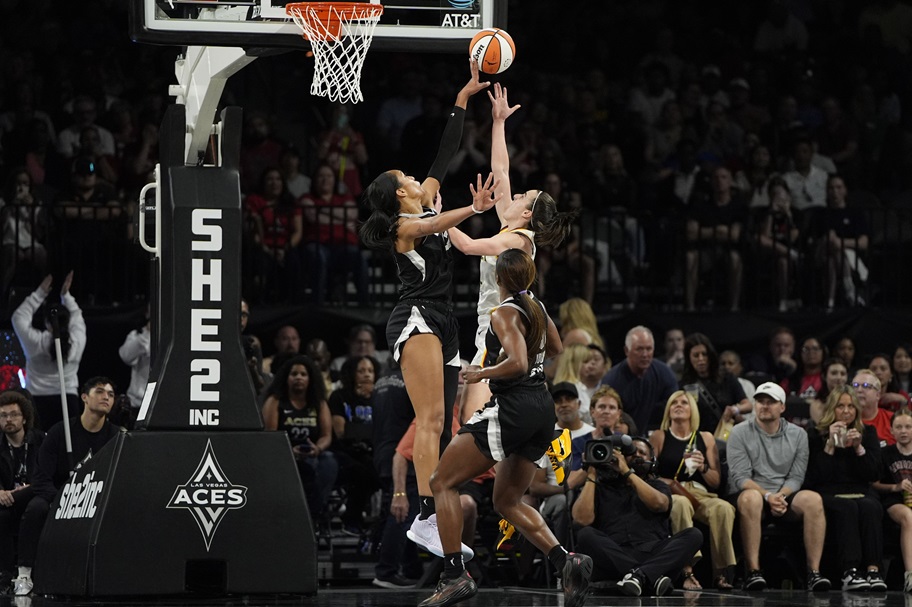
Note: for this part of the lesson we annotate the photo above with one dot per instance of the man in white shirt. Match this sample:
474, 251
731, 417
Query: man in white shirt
807, 183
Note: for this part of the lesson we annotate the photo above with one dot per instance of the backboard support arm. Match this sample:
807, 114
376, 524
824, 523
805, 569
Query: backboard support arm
202, 73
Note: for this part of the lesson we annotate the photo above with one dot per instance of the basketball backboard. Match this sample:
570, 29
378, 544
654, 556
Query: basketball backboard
406, 25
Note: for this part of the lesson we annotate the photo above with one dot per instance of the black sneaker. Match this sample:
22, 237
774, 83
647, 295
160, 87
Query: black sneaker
662, 586
575, 579
852, 580
632, 584
395, 582
755, 582
451, 591
818, 583
876, 581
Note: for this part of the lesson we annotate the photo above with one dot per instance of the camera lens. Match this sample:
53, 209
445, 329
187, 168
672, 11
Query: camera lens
600, 453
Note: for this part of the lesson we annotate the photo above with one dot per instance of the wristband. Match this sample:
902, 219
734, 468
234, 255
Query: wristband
627, 474
766, 496
399, 494
474, 210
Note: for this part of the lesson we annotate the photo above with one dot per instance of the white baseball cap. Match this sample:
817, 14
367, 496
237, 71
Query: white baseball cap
771, 389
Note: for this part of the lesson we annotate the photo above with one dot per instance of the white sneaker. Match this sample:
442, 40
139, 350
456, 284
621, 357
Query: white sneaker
907, 586
425, 534
22, 585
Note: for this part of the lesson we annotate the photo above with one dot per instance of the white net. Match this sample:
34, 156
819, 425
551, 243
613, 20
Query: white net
340, 35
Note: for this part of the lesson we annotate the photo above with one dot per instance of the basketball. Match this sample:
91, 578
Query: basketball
493, 49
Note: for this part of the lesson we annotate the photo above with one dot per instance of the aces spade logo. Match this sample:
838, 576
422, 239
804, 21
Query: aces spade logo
208, 495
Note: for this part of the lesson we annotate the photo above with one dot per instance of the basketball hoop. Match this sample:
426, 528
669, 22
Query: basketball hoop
340, 34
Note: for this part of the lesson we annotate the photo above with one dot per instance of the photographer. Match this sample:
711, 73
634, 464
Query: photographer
624, 510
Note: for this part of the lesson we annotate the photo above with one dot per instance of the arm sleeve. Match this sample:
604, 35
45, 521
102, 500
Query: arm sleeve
796, 474
29, 337
739, 465
449, 144
77, 328
868, 466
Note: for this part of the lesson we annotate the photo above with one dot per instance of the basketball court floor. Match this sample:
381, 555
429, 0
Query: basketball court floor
508, 597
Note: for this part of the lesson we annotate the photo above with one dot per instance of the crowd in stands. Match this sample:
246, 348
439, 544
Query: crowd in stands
839, 420
765, 139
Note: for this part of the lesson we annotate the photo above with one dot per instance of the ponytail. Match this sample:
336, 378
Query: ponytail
535, 344
516, 272
378, 232
551, 227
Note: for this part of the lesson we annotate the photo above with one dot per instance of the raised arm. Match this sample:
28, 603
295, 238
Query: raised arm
452, 133
500, 157
410, 229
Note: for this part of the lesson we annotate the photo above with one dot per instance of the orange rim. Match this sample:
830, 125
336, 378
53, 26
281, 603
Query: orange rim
330, 15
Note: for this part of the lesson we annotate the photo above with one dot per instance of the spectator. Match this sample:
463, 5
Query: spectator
642, 381
22, 221
720, 400
844, 460
352, 418
845, 242
835, 375
845, 350
767, 462
806, 182
93, 231
318, 351
714, 236
837, 137
647, 100
397, 559
868, 389
136, 353
297, 406
895, 484
606, 410
683, 452
624, 514
331, 237
778, 238
779, 362
569, 365
297, 183
781, 32
593, 369
18, 466
674, 351
85, 114
577, 323
751, 117
277, 232
342, 148
287, 342
807, 380
362, 341
730, 362
89, 433
260, 150
42, 379
892, 396
902, 367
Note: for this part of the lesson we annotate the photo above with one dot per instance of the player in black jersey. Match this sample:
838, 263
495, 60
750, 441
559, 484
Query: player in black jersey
422, 332
514, 429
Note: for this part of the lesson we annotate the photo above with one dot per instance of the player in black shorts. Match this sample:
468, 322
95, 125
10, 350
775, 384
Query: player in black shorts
514, 429
422, 331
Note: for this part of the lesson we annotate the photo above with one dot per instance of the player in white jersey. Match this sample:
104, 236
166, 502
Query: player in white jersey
527, 219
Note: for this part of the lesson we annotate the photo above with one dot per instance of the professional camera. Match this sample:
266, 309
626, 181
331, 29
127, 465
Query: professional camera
599, 452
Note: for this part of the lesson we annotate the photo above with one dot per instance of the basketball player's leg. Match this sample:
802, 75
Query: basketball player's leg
514, 476
422, 370
461, 462
474, 396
